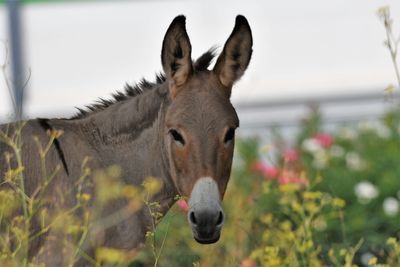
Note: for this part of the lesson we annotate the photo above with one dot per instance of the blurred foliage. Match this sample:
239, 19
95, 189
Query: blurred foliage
369, 152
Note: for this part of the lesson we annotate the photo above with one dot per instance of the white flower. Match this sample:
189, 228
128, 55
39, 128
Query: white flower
376, 127
383, 132
365, 257
391, 206
365, 191
320, 159
336, 151
319, 224
347, 133
365, 125
311, 145
354, 162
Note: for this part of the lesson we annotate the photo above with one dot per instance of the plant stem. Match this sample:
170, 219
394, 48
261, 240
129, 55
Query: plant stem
161, 247
391, 42
392, 45
17, 146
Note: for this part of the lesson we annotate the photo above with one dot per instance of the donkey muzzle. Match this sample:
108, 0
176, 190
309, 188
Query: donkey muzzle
205, 215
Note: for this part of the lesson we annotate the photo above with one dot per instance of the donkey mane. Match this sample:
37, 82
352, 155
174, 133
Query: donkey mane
130, 91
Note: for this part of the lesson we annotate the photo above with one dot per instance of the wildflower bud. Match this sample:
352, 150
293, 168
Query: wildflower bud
183, 205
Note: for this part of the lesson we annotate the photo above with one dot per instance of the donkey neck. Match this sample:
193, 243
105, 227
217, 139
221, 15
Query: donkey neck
130, 134
126, 120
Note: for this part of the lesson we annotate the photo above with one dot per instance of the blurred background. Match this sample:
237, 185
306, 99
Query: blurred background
319, 185
304, 52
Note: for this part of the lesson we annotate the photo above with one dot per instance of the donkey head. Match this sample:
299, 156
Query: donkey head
200, 123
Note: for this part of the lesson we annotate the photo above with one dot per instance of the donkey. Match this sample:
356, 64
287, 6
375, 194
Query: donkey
179, 129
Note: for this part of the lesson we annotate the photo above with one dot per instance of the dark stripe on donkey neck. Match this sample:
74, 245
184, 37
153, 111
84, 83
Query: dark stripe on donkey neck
44, 123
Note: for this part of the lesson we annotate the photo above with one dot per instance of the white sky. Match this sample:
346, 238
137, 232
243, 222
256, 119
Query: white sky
81, 51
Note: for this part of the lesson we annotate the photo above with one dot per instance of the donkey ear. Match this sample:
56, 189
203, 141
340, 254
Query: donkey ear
235, 56
176, 55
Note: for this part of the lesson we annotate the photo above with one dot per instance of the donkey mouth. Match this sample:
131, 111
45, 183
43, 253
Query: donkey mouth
207, 240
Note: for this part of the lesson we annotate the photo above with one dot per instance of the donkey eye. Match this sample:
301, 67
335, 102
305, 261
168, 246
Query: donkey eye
177, 137
230, 134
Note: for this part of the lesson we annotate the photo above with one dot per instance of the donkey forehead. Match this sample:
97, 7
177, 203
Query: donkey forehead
201, 103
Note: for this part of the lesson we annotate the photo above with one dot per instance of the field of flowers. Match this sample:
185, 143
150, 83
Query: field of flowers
329, 199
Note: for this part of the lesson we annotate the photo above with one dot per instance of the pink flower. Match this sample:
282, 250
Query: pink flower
299, 181
266, 170
323, 139
291, 155
183, 205
282, 180
248, 263
290, 176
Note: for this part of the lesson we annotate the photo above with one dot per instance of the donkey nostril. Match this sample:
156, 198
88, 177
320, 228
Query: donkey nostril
220, 218
192, 218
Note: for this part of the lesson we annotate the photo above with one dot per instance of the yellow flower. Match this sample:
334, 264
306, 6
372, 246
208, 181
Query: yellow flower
389, 90
383, 11
266, 235
86, 197
288, 188
312, 195
267, 218
286, 225
338, 203
373, 261
311, 207
267, 148
152, 185
297, 207
130, 191
110, 255
114, 171
391, 241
